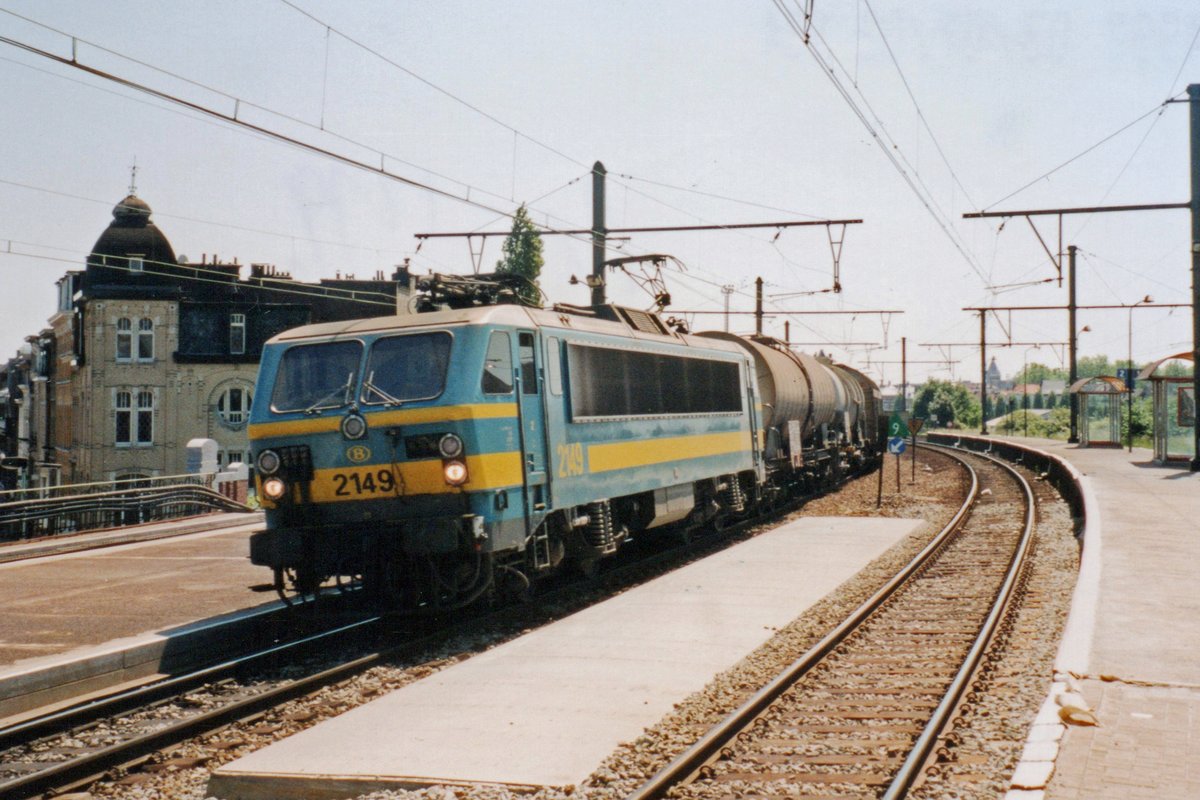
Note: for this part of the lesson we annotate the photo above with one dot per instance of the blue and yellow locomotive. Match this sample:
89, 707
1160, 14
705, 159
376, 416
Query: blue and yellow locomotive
435, 456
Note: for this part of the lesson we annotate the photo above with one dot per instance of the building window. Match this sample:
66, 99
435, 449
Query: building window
123, 403
136, 264
145, 418
124, 339
233, 457
66, 293
233, 406
145, 340
237, 334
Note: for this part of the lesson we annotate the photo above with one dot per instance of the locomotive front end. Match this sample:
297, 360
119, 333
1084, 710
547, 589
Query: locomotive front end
379, 462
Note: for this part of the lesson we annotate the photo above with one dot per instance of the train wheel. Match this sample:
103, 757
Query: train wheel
296, 587
349, 577
589, 568
513, 584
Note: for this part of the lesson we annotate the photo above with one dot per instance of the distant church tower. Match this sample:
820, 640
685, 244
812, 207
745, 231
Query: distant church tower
993, 373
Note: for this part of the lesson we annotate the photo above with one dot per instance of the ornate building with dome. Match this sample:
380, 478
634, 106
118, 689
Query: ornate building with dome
147, 351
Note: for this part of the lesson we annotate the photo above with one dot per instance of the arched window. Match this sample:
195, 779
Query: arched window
233, 406
145, 339
124, 339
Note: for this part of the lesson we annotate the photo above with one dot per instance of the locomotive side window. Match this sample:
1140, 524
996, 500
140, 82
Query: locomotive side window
554, 366
404, 368
315, 376
497, 365
624, 383
528, 368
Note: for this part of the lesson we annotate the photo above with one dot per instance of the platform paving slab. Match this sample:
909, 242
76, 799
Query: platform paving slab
1137, 664
83, 621
547, 708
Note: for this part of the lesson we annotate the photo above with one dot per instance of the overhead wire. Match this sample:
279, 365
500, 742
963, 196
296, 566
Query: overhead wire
199, 221
277, 136
1141, 143
702, 219
717, 196
447, 93
234, 119
890, 148
266, 133
1075, 157
916, 106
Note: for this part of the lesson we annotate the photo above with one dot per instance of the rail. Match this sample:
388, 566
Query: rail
28, 518
720, 735
1050, 468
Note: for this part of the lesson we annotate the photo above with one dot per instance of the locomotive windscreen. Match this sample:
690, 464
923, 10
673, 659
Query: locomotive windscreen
404, 368
313, 376
607, 382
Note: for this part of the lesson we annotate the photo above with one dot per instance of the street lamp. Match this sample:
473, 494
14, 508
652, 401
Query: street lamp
1129, 375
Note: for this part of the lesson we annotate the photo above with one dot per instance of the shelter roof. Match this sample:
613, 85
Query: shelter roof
1148, 371
1099, 384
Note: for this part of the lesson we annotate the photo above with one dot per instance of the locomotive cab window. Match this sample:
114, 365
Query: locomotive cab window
554, 365
607, 382
528, 367
401, 369
498, 365
316, 376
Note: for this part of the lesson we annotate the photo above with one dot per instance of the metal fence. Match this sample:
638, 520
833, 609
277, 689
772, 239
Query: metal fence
102, 487
50, 511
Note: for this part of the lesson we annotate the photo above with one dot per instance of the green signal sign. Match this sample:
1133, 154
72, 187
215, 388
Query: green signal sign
897, 426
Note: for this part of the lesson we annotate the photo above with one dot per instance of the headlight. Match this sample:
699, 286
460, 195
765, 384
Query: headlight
353, 426
274, 488
450, 446
268, 462
455, 473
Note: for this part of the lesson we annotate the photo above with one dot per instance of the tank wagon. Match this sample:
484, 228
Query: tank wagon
436, 457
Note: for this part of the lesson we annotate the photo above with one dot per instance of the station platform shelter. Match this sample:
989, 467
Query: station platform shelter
1100, 400
1174, 407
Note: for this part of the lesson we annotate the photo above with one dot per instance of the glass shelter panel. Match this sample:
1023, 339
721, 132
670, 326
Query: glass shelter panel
1175, 419
1101, 418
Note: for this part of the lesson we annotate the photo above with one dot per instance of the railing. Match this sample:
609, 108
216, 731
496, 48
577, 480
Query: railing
34, 516
101, 487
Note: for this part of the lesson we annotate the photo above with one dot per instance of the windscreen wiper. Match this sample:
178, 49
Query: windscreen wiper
369, 385
344, 390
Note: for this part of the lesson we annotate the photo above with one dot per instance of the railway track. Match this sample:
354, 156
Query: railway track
69, 749
871, 706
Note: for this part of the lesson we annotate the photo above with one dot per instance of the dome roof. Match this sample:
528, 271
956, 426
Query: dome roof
132, 206
131, 233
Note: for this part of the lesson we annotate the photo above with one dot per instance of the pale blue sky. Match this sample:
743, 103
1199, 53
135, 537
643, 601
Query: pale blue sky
719, 97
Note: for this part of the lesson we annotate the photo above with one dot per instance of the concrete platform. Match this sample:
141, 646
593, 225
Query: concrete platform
80, 622
546, 709
1132, 645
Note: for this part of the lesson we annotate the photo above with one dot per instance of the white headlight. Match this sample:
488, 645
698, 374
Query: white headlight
455, 472
274, 488
268, 462
354, 426
450, 446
